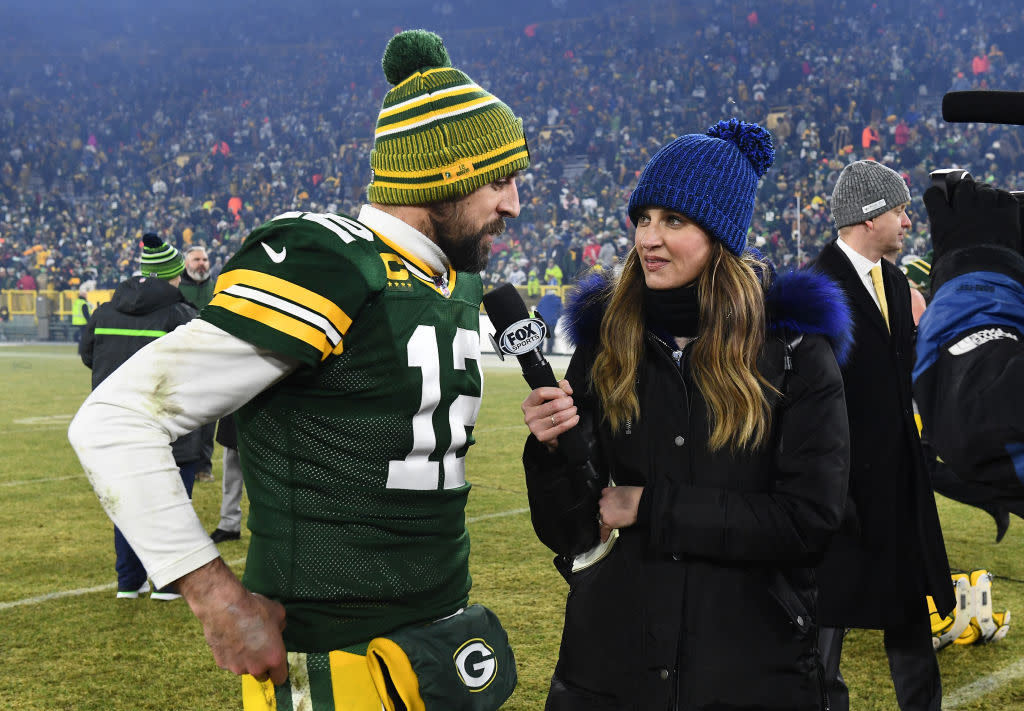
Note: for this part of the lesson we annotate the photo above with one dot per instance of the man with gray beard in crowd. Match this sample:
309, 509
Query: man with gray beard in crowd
197, 286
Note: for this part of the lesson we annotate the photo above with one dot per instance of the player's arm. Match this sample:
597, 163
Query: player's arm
122, 435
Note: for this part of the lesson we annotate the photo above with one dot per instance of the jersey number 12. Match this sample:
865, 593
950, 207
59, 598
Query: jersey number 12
416, 471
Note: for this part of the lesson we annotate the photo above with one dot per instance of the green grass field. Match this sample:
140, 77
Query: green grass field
66, 643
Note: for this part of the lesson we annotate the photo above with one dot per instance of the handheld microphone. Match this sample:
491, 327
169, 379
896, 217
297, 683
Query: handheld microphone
519, 335
1003, 107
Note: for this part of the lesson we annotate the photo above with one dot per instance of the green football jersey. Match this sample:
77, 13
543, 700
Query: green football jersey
354, 463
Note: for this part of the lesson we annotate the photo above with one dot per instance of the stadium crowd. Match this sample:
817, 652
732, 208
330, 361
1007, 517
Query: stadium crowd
201, 142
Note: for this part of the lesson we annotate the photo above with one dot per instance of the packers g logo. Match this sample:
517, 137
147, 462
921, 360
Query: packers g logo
476, 664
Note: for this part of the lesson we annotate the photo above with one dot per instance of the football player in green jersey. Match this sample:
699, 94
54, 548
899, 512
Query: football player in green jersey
349, 348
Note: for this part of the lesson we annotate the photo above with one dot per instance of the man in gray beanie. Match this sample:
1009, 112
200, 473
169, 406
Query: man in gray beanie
888, 554
866, 189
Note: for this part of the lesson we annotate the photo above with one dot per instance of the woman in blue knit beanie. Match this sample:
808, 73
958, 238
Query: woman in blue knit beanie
710, 392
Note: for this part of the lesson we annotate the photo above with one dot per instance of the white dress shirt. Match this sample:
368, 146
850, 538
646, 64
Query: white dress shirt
863, 266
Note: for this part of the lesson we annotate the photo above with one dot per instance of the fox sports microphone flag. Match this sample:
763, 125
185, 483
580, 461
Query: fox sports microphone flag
516, 333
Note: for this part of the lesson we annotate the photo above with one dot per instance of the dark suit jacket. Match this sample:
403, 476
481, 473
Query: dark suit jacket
889, 552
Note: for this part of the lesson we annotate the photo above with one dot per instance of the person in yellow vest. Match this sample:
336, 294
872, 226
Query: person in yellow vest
80, 310
553, 274
533, 284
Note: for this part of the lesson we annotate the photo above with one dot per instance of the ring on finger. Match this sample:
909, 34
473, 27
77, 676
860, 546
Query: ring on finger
554, 422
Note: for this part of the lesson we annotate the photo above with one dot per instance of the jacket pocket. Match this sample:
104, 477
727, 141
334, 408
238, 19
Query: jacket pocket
796, 610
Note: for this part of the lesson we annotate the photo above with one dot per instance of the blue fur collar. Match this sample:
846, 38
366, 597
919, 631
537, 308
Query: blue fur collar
799, 301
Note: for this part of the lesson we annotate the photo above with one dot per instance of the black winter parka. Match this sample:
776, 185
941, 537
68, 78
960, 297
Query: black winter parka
708, 601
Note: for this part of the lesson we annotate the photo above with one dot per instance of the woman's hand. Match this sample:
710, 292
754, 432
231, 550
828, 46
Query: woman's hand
617, 508
549, 412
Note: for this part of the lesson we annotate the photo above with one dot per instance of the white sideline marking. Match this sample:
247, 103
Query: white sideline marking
33, 355
38, 481
499, 514
110, 586
49, 420
985, 685
75, 593
46, 428
56, 595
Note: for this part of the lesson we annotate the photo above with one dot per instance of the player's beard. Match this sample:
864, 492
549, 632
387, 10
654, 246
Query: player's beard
468, 250
198, 274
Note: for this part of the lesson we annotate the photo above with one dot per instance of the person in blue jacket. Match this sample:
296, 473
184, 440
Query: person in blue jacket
550, 309
969, 374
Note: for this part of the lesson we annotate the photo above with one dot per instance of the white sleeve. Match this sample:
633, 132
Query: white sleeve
122, 434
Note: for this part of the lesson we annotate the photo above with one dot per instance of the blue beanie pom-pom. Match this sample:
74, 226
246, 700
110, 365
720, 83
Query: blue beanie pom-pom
753, 140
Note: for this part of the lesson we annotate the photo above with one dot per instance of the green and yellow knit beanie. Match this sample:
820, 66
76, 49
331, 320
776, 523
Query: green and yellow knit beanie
160, 259
439, 136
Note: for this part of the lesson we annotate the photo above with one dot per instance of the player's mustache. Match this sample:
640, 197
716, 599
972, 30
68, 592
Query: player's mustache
494, 227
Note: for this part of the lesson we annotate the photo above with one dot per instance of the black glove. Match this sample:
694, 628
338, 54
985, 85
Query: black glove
979, 215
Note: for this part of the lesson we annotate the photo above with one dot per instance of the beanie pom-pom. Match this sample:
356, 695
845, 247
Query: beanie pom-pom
409, 51
151, 240
753, 140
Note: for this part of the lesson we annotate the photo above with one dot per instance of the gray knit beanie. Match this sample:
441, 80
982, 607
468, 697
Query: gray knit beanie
865, 189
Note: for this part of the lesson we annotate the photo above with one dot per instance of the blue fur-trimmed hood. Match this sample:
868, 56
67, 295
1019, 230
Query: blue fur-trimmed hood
799, 301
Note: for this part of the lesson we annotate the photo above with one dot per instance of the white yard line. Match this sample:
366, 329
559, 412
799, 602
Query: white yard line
22, 355
499, 514
56, 595
40, 481
74, 593
985, 685
48, 428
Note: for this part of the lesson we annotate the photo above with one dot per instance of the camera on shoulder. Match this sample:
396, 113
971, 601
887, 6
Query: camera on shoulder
948, 178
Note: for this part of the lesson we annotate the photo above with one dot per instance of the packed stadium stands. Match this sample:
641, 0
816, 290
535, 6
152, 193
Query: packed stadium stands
199, 130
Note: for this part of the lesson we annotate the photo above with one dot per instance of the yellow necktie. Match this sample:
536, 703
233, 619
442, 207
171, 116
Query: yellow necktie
876, 280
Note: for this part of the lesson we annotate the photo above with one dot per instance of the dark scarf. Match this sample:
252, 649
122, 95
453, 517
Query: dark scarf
673, 311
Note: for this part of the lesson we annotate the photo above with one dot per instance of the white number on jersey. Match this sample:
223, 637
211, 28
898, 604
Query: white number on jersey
345, 227
416, 471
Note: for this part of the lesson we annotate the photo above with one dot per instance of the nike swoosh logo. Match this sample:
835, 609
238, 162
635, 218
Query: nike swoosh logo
275, 257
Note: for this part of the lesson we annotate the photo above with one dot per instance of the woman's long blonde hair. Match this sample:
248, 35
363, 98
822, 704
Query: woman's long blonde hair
724, 357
